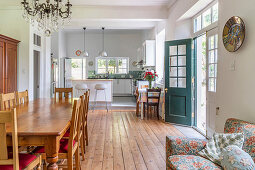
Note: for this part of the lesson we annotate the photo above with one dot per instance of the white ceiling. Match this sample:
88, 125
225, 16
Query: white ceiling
167, 3
123, 2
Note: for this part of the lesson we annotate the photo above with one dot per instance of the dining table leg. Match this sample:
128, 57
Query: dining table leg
51, 150
142, 107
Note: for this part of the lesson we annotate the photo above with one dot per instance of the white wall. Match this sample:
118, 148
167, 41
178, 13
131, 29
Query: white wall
235, 88
119, 43
179, 29
14, 26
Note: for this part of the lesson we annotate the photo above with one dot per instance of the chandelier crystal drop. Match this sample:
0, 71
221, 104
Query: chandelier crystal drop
49, 16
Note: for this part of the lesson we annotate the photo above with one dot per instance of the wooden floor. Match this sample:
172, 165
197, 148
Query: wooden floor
120, 140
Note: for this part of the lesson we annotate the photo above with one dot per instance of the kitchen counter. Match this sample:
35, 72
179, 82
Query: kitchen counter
91, 83
92, 79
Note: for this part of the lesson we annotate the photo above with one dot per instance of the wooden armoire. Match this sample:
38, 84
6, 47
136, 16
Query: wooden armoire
8, 64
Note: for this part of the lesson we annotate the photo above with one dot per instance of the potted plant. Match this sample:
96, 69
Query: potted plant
150, 76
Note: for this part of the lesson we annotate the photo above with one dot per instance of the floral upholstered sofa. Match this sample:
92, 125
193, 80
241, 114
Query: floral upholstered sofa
181, 152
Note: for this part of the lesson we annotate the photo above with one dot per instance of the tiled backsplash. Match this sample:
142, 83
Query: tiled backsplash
131, 74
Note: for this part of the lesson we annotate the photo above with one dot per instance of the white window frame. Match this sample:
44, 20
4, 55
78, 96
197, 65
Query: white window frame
211, 26
116, 60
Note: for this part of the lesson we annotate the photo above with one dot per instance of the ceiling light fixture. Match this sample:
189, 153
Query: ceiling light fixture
49, 16
84, 53
103, 53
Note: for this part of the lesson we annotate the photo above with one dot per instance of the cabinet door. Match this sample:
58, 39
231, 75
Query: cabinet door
11, 68
1, 67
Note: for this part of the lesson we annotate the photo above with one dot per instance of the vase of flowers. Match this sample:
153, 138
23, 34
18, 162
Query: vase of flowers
150, 76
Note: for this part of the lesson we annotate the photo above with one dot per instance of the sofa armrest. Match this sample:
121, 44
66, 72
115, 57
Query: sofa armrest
183, 146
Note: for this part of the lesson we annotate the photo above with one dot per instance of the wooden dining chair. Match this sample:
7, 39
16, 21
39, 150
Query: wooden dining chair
8, 100
69, 147
153, 99
63, 92
86, 108
9, 156
22, 97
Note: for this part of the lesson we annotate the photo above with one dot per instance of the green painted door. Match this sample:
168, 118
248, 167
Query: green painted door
178, 81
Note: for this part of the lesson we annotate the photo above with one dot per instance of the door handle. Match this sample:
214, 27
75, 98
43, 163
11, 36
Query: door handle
166, 90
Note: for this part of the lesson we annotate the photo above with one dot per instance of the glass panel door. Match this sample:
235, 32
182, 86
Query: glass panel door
178, 70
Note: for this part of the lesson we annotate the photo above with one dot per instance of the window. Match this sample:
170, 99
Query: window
206, 18
113, 65
212, 62
75, 68
37, 40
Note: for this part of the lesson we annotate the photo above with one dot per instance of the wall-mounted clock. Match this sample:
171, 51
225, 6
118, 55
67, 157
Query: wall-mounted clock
233, 34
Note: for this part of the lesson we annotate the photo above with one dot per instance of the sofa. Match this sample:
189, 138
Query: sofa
181, 152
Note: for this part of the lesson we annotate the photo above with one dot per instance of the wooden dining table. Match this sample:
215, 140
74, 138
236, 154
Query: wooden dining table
43, 122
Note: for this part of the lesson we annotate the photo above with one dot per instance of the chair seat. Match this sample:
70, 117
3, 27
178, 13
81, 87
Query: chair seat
100, 86
67, 134
185, 162
81, 86
62, 149
24, 161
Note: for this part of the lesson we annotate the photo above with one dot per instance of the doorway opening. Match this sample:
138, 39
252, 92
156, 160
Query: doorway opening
36, 87
201, 83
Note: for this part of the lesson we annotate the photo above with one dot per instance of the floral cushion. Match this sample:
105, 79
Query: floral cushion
248, 129
234, 157
184, 145
190, 162
215, 145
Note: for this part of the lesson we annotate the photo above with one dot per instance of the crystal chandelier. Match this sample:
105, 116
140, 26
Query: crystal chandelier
49, 16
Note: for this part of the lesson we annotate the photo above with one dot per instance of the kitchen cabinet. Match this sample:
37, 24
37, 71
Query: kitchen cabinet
8, 64
149, 53
122, 87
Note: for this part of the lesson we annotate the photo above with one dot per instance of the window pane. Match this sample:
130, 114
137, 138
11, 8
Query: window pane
207, 18
216, 41
182, 82
101, 70
211, 56
182, 50
173, 50
182, 61
173, 82
173, 61
112, 66
123, 71
101, 66
173, 71
215, 13
211, 70
211, 85
197, 24
182, 72
211, 42
122, 63
216, 56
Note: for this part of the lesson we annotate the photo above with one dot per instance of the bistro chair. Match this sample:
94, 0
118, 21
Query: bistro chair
153, 99
9, 156
8, 100
63, 92
22, 97
69, 147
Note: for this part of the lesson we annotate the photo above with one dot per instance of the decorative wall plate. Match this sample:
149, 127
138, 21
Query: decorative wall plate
78, 52
233, 34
